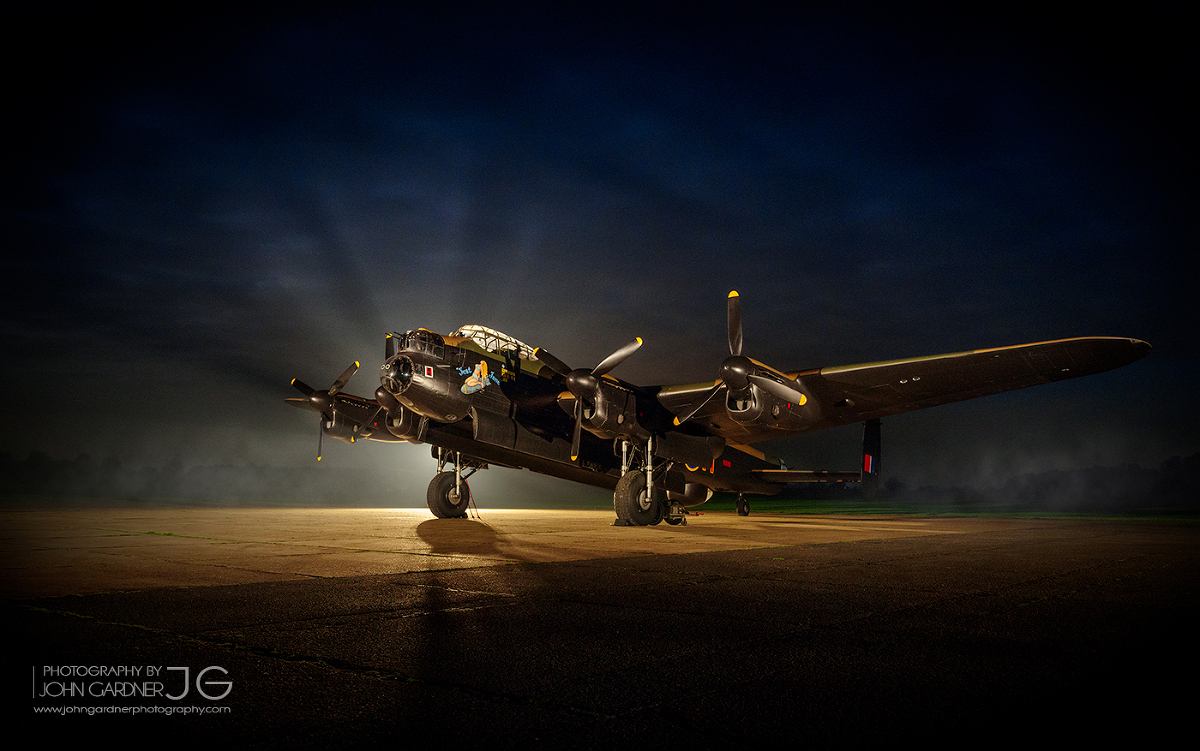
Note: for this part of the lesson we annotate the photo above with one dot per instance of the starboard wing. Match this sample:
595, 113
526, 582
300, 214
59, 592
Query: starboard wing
854, 393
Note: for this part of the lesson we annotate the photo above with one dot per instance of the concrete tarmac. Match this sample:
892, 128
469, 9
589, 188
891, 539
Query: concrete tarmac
355, 628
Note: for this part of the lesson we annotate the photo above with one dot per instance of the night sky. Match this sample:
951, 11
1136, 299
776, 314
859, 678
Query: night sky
200, 211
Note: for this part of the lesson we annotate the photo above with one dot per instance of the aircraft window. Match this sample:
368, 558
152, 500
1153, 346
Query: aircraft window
494, 341
422, 341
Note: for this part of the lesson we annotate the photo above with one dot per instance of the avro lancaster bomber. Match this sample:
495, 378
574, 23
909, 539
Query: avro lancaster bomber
480, 398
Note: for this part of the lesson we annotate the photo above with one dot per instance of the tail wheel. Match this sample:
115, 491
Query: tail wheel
633, 504
444, 501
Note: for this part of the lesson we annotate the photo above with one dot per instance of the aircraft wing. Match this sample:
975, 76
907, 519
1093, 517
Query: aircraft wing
854, 393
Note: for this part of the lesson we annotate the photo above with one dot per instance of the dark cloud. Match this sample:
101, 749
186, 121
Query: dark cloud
203, 212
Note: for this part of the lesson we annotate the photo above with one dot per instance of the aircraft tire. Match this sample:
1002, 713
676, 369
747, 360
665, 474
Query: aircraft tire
442, 500
631, 503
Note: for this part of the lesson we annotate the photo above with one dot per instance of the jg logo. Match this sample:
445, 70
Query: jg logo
206, 686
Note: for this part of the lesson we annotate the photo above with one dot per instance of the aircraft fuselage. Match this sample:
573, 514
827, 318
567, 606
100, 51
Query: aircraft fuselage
508, 409
478, 396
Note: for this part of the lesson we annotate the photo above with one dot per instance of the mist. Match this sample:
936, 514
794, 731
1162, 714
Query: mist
200, 213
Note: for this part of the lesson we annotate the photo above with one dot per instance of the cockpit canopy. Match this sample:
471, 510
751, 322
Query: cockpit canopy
493, 341
422, 340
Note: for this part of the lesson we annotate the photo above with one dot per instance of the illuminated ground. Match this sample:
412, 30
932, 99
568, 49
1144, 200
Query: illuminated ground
355, 627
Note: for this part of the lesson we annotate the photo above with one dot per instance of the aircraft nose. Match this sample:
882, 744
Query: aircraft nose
396, 375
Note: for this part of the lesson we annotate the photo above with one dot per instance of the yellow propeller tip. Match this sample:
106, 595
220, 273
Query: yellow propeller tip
677, 422
639, 339
733, 293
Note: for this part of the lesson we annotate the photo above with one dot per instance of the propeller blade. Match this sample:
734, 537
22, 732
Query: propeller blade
389, 348
552, 362
687, 414
739, 373
583, 384
734, 312
303, 387
575, 436
326, 402
781, 390
343, 379
616, 358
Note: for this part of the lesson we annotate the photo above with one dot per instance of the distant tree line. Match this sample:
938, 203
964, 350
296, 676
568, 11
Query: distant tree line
1174, 487
40, 480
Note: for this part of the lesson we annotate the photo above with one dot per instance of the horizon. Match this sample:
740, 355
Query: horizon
202, 214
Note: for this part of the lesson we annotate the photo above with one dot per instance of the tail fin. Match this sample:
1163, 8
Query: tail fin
870, 466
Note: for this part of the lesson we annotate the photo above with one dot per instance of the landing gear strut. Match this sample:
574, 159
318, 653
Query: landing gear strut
635, 506
743, 505
449, 496
637, 502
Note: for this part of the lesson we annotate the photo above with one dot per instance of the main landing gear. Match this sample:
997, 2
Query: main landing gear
449, 496
637, 502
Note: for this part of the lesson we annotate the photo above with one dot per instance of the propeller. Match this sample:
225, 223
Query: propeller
738, 373
321, 401
584, 384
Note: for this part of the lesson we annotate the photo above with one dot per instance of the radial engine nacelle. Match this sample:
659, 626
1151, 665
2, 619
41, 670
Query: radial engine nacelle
754, 394
401, 422
337, 425
770, 399
605, 408
612, 412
